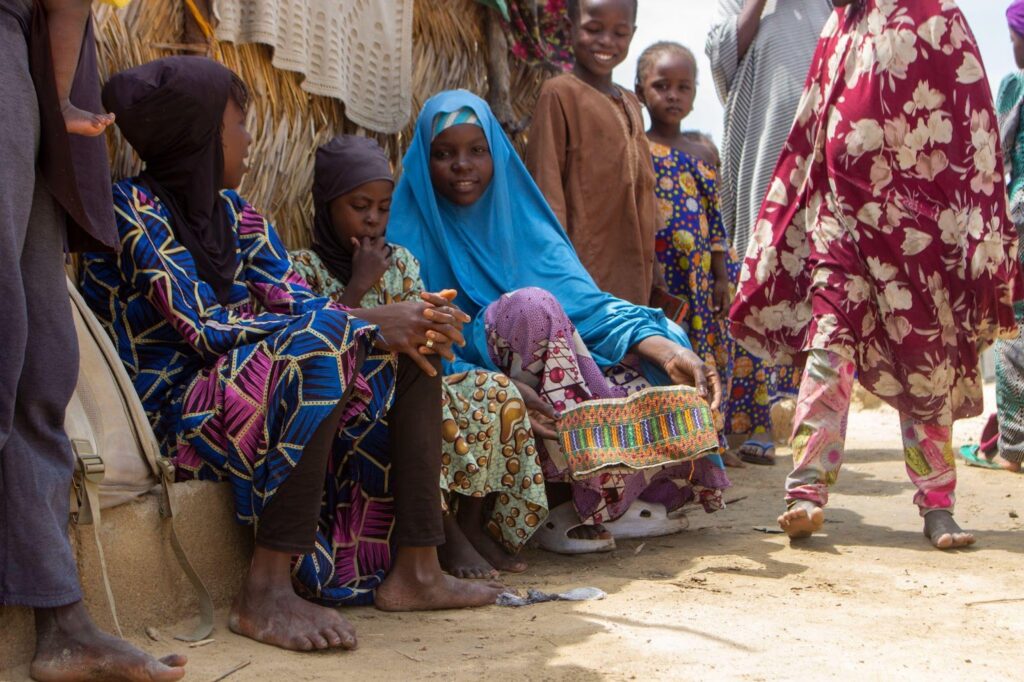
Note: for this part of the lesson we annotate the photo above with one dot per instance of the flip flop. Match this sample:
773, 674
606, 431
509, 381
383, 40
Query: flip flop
553, 534
756, 452
972, 456
643, 520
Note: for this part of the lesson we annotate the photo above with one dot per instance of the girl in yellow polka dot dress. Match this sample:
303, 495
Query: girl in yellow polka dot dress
692, 244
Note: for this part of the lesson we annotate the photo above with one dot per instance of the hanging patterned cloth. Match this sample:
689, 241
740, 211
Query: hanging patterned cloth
538, 31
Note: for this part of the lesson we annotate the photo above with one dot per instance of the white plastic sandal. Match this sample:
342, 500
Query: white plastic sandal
553, 534
643, 520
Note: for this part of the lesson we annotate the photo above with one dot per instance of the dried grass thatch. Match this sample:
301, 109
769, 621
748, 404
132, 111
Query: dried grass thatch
449, 51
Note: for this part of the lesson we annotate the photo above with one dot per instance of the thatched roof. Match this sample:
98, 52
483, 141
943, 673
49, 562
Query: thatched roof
449, 51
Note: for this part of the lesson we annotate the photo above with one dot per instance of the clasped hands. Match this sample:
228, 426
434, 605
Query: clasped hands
421, 328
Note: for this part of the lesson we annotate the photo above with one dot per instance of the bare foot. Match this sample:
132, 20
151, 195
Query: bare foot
802, 520
459, 556
79, 122
416, 583
491, 550
1006, 464
69, 646
473, 524
731, 460
268, 610
944, 532
285, 619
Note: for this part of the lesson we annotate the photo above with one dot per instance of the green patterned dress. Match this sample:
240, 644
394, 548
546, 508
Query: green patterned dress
488, 445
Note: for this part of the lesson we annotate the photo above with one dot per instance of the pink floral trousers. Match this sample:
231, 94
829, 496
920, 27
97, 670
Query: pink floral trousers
819, 439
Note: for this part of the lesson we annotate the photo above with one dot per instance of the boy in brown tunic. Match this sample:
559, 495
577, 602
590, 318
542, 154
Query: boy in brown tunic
589, 156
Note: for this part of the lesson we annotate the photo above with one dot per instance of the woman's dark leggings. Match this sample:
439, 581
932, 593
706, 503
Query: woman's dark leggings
414, 426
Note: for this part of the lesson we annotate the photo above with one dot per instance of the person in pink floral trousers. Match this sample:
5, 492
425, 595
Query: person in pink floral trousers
883, 247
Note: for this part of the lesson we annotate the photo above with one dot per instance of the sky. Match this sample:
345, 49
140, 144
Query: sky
687, 22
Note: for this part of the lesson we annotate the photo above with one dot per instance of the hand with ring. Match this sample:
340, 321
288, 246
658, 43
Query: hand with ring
683, 366
419, 328
442, 309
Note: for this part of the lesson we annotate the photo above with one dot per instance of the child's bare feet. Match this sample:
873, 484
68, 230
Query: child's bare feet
459, 557
944, 532
472, 523
268, 610
282, 618
439, 592
79, 122
493, 552
802, 520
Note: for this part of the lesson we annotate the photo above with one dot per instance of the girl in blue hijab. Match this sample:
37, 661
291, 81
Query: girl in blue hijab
469, 210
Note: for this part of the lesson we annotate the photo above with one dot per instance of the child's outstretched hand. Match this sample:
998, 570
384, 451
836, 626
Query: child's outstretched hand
79, 122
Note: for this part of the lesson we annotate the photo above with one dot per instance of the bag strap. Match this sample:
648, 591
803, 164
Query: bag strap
162, 467
205, 625
89, 473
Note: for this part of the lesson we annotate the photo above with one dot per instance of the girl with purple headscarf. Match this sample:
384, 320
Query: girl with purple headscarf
490, 467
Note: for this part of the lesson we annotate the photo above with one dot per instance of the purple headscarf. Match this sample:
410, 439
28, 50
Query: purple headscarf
1015, 16
342, 165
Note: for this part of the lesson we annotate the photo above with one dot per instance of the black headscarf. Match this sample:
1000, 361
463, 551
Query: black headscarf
171, 111
343, 164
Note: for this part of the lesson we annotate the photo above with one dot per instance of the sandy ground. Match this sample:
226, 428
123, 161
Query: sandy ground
869, 599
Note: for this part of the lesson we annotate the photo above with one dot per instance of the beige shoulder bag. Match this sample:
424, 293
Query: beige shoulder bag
118, 458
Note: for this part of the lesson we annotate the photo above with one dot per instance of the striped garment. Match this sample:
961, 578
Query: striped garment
1010, 353
760, 94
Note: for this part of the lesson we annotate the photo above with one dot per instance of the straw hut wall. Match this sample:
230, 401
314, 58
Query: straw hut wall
450, 43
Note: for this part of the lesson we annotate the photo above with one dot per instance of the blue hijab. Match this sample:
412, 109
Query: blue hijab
507, 240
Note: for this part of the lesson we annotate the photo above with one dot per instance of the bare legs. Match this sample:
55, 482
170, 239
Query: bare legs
472, 521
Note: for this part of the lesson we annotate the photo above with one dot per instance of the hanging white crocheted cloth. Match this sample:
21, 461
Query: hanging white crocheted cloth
358, 51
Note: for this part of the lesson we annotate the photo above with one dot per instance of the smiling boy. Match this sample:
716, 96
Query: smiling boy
588, 153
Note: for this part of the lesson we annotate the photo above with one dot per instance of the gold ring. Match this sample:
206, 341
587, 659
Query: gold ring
429, 343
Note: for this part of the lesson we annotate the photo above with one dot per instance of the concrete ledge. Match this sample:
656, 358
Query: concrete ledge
149, 587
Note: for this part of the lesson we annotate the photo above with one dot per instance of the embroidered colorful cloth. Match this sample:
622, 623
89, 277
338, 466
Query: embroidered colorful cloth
652, 427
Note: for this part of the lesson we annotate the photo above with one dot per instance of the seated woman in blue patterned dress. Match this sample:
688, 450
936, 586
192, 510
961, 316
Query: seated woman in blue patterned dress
249, 377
